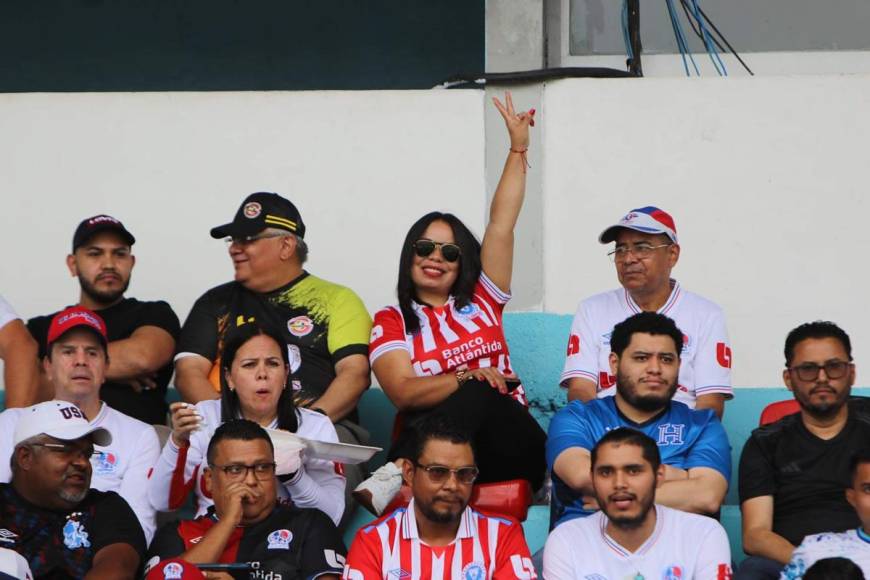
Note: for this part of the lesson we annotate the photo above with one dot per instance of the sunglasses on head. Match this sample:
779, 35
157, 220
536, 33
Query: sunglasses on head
450, 252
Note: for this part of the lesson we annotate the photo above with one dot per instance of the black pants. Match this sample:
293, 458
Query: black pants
509, 443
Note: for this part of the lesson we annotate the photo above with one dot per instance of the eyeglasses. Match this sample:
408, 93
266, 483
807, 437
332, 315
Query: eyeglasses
640, 251
440, 473
239, 471
450, 252
248, 240
68, 450
834, 369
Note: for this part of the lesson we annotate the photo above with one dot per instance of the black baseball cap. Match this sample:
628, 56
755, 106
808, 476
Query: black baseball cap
259, 211
100, 223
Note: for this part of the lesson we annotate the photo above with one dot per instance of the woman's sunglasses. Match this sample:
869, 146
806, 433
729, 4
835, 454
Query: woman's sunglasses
450, 252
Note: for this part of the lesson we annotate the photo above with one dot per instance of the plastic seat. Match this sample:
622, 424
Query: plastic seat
776, 411
507, 498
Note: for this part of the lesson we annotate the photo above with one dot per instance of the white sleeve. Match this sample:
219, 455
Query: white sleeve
8, 420
712, 366
714, 554
582, 354
801, 559
173, 475
134, 486
318, 484
7, 315
558, 564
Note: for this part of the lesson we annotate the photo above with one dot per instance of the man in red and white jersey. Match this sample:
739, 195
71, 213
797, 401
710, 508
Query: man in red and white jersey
632, 537
438, 536
646, 251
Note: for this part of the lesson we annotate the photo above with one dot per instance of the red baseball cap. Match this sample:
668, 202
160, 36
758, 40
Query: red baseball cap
75, 317
174, 569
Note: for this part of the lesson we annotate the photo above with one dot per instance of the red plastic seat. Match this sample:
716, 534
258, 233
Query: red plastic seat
776, 411
508, 498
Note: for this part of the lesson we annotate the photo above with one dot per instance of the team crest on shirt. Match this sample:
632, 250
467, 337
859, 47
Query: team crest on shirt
173, 571
474, 571
673, 573
105, 463
75, 536
468, 311
252, 210
300, 326
280, 540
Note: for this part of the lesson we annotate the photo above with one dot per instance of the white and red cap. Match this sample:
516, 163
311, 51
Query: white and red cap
647, 220
59, 419
174, 569
75, 317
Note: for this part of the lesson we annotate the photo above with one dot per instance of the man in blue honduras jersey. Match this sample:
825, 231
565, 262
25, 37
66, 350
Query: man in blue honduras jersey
645, 358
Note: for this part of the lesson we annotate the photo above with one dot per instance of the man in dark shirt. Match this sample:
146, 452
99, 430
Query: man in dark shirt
794, 472
49, 515
141, 334
246, 523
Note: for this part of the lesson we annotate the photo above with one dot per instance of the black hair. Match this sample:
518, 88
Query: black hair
469, 266
818, 329
628, 436
288, 418
858, 459
645, 323
237, 430
834, 569
440, 427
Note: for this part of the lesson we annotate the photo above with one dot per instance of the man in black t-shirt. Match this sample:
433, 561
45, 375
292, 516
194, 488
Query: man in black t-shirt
794, 472
49, 515
141, 334
246, 523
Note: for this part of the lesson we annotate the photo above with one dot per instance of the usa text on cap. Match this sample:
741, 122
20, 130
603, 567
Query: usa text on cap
647, 220
59, 419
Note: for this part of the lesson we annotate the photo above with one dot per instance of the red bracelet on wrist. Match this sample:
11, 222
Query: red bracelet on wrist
523, 155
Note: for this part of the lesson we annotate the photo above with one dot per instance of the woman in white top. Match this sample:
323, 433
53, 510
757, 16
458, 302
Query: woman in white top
254, 385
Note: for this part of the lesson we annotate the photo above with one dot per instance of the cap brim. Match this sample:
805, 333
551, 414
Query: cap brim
609, 235
235, 230
99, 435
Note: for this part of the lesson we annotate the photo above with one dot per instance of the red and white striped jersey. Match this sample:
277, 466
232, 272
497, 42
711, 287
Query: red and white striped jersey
450, 338
485, 547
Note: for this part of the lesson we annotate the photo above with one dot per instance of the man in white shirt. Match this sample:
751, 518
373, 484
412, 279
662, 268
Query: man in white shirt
75, 364
632, 537
645, 253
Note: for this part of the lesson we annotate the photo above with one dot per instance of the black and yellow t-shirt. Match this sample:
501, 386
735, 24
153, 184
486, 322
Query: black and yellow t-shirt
322, 323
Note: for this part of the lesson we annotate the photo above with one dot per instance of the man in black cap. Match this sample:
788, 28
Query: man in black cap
141, 334
326, 326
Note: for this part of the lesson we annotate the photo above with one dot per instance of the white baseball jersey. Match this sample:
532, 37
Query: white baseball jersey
319, 484
682, 546
854, 544
122, 467
705, 366
7, 315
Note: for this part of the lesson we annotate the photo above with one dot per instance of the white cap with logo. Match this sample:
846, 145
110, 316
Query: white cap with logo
59, 419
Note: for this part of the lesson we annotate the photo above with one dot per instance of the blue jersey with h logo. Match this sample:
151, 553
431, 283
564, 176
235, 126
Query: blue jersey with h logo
686, 439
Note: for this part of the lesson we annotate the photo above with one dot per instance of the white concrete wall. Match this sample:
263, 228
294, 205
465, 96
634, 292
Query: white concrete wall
766, 179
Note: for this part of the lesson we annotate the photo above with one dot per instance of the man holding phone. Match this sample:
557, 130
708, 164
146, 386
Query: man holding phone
246, 525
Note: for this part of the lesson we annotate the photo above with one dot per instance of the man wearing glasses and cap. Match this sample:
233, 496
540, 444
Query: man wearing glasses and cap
646, 251
438, 536
48, 512
794, 473
326, 326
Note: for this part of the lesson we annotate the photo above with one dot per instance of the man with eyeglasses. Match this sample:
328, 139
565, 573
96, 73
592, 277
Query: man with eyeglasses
75, 365
646, 251
438, 536
794, 472
326, 326
49, 514
246, 524
141, 333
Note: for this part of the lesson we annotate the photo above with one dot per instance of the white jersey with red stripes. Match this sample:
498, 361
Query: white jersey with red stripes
485, 547
683, 546
705, 366
450, 338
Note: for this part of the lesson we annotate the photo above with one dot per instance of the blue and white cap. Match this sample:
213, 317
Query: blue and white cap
647, 220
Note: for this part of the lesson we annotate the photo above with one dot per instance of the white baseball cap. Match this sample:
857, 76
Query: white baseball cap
58, 419
13, 565
647, 220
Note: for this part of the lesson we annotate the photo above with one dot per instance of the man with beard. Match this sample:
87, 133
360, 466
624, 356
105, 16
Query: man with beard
632, 537
645, 358
438, 536
141, 334
48, 513
794, 473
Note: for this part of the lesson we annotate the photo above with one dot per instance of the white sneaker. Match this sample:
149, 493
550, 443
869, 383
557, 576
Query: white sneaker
376, 493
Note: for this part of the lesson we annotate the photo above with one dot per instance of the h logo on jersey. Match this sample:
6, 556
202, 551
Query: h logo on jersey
523, 568
573, 345
723, 355
670, 434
